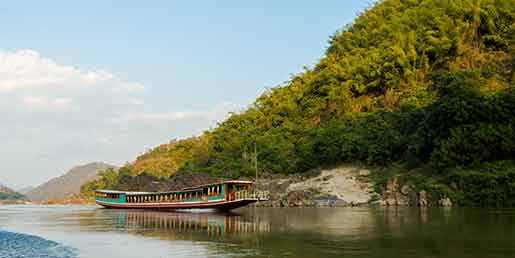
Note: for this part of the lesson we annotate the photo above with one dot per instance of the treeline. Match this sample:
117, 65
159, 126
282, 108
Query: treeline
9, 196
423, 83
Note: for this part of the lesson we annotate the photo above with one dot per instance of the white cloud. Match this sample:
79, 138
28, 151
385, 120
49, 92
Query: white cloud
27, 69
128, 87
135, 102
61, 102
34, 102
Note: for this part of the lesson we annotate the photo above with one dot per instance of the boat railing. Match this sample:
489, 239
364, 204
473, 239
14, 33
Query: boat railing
255, 195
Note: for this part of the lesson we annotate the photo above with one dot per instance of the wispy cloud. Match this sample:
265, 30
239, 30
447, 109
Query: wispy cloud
46, 102
27, 69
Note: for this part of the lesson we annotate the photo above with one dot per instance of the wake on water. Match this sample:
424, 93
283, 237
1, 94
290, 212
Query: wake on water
15, 245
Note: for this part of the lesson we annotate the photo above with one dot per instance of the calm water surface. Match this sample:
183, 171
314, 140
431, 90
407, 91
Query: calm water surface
89, 231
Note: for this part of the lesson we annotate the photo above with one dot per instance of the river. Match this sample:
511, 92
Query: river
90, 231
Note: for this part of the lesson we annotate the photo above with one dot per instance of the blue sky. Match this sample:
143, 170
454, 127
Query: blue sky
106, 80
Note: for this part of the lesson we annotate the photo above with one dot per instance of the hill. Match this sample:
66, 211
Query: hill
67, 184
7, 194
422, 90
25, 190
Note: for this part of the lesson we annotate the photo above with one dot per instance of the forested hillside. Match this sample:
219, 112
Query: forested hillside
412, 86
7, 194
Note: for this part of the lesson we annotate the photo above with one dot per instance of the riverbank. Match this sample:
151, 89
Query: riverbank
341, 186
350, 186
353, 185
10, 202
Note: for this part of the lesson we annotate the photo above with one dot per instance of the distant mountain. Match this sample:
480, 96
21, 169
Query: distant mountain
69, 183
7, 193
26, 189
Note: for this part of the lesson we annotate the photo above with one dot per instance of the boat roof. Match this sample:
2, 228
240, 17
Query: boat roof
219, 183
188, 189
239, 182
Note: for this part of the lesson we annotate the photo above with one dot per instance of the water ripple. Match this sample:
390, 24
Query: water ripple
25, 246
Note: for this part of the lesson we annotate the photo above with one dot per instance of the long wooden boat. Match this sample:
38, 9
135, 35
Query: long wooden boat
224, 196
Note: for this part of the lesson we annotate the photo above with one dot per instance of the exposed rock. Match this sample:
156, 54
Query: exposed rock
275, 203
392, 185
298, 199
413, 199
331, 201
445, 202
394, 195
277, 187
405, 189
422, 199
401, 199
382, 202
343, 184
323, 202
269, 203
341, 203
391, 201
364, 172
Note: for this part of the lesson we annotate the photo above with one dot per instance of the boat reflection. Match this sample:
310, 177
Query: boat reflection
207, 224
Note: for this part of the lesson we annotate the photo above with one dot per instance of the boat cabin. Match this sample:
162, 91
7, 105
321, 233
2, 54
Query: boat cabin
224, 191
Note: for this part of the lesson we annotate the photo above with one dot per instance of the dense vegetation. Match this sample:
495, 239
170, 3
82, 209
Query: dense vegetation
7, 194
10, 196
425, 83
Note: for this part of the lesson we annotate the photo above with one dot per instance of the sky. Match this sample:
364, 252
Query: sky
97, 80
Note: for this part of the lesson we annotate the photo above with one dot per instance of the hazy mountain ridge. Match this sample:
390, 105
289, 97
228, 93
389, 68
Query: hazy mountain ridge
26, 189
7, 193
68, 184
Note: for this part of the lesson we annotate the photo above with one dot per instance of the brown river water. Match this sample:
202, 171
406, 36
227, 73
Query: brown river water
91, 231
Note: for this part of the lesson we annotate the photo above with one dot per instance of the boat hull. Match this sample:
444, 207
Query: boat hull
222, 205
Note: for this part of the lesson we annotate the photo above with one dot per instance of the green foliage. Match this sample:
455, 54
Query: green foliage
107, 179
470, 145
466, 127
492, 184
14, 196
374, 138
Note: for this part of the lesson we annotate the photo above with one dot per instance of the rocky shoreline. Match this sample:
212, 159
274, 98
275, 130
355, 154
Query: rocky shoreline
337, 187
341, 187
398, 194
